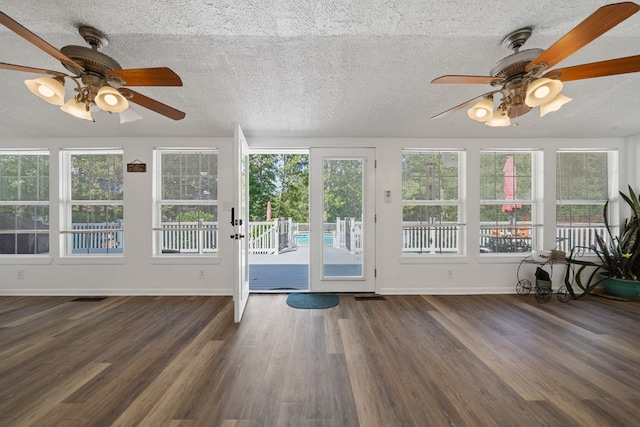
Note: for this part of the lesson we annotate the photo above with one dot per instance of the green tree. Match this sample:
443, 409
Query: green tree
343, 189
263, 169
283, 180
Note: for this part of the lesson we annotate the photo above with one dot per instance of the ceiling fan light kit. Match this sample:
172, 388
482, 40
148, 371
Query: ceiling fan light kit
554, 105
99, 79
48, 88
500, 119
542, 91
109, 99
482, 111
77, 109
519, 77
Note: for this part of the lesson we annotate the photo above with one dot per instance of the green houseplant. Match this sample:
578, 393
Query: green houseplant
620, 255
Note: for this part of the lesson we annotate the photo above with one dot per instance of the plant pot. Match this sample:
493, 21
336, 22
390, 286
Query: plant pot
629, 289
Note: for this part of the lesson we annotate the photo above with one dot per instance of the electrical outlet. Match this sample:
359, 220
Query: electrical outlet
202, 274
450, 274
20, 274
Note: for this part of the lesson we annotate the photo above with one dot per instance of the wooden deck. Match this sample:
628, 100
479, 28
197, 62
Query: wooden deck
492, 360
289, 271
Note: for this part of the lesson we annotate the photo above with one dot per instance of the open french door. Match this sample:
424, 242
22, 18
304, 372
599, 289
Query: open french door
240, 222
342, 219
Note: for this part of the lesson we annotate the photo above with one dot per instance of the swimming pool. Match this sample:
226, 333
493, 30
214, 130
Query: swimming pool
302, 239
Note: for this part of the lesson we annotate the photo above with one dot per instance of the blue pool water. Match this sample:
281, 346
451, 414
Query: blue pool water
303, 239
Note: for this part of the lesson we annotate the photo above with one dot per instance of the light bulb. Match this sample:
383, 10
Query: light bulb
45, 91
110, 99
541, 92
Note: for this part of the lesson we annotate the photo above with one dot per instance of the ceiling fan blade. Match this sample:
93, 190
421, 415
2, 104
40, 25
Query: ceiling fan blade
152, 104
598, 23
457, 79
464, 104
14, 67
160, 76
611, 67
37, 41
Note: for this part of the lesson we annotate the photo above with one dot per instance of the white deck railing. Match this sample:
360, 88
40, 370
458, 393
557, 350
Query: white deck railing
264, 237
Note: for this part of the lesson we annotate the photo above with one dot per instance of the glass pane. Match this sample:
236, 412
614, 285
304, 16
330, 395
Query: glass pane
343, 212
430, 229
96, 176
189, 175
188, 229
582, 176
98, 229
577, 225
430, 176
506, 228
24, 177
505, 176
24, 243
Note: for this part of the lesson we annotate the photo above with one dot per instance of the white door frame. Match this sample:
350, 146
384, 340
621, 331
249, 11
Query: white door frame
319, 282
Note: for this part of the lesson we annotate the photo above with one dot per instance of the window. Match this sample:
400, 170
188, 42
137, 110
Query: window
92, 212
431, 202
186, 202
24, 202
583, 185
508, 207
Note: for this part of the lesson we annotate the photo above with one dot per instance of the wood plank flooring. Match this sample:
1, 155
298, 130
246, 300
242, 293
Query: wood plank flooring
492, 360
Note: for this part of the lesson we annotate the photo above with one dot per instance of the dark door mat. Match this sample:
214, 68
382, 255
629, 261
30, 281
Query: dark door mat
369, 298
89, 299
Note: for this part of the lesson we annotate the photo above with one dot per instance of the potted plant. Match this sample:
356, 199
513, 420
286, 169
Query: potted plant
620, 255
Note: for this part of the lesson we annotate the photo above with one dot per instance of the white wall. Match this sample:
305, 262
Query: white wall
471, 273
139, 273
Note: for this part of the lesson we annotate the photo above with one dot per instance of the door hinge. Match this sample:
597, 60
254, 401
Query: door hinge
375, 272
375, 164
375, 218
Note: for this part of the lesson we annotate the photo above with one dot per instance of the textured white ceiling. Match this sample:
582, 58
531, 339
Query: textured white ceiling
297, 68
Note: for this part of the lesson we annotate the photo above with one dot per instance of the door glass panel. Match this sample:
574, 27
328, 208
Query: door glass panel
342, 248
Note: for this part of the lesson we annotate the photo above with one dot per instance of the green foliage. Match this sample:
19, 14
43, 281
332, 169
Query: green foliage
343, 186
283, 180
24, 177
620, 257
194, 216
96, 176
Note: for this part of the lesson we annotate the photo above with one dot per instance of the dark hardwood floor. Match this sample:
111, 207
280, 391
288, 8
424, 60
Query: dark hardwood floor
492, 360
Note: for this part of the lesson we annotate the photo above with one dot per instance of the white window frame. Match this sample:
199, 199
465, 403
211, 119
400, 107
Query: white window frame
44, 202
582, 237
205, 232
532, 231
425, 240
113, 237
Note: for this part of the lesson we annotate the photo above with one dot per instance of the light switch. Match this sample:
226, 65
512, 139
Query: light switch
387, 196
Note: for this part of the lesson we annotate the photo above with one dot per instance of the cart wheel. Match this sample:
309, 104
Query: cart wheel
523, 287
543, 295
563, 294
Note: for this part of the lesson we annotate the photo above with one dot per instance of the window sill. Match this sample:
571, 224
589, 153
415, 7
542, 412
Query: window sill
501, 258
433, 259
25, 259
185, 259
91, 259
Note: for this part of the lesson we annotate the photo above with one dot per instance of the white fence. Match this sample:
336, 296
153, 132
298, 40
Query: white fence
443, 238
267, 237
189, 237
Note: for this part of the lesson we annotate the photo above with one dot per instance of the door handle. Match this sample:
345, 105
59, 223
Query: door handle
233, 216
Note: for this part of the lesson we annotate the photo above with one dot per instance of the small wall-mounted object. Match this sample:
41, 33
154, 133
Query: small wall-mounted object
136, 166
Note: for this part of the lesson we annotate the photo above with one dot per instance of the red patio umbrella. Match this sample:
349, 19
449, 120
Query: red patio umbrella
509, 171
269, 211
